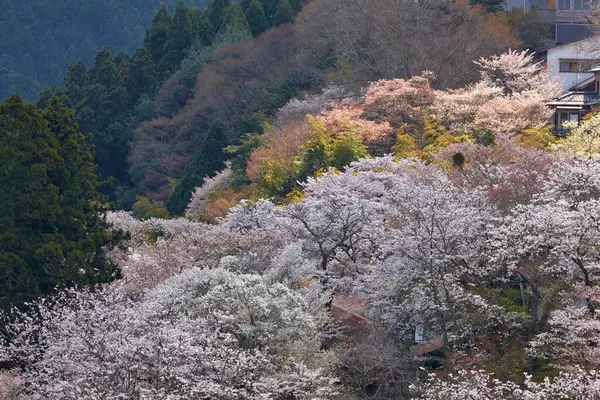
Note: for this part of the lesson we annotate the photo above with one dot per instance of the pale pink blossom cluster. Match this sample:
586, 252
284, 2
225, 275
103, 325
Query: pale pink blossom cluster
377, 135
479, 385
11, 385
479, 244
238, 309
399, 101
297, 109
201, 194
510, 96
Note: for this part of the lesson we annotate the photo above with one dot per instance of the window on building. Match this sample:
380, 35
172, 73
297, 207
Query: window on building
419, 333
563, 5
576, 66
582, 5
565, 116
565, 66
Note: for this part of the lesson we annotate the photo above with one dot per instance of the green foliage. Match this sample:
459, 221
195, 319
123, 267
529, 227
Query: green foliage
142, 75
539, 138
215, 11
490, 5
432, 129
278, 178
209, 160
296, 5
157, 34
239, 156
484, 137
101, 97
284, 14
52, 228
347, 148
270, 7
255, 16
144, 209
458, 160
179, 38
120, 91
203, 29
405, 146
234, 18
317, 153
323, 150
38, 40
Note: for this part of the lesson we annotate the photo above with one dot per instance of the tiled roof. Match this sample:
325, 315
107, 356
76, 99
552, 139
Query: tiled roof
427, 347
587, 85
577, 99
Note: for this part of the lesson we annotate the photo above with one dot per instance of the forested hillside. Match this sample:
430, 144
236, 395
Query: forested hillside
302, 200
39, 39
463, 266
201, 81
119, 90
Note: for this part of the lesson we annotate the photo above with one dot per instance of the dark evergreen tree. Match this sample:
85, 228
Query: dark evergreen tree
239, 155
157, 33
75, 81
296, 5
255, 15
245, 4
215, 11
52, 229
234, 18
270, 7
284, 13
105, 71
202, 27
209, 160
141, 75
180, 37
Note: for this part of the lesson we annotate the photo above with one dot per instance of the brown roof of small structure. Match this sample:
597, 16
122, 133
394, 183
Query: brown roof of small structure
427, 347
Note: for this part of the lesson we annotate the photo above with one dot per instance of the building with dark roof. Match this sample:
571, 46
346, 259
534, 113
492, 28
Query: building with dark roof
577, 102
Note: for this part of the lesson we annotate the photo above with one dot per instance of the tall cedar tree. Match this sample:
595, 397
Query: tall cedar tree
141, 75
179, 38
203, 29
255, 15
157, 33
284, 13
234, 18
209, 160
215, 11
270, 7
52, 227
296, 5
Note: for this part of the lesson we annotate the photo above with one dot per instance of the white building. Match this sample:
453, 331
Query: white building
572, 61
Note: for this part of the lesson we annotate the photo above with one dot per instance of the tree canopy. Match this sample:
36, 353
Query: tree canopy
52, 216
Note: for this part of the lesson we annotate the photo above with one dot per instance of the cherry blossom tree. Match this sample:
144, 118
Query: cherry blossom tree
399, 101
466, 385
200, 196
511, 95
552, 244
11, 385
435, 243
202, 333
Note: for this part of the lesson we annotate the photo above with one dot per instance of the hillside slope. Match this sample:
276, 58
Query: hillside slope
38, 40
